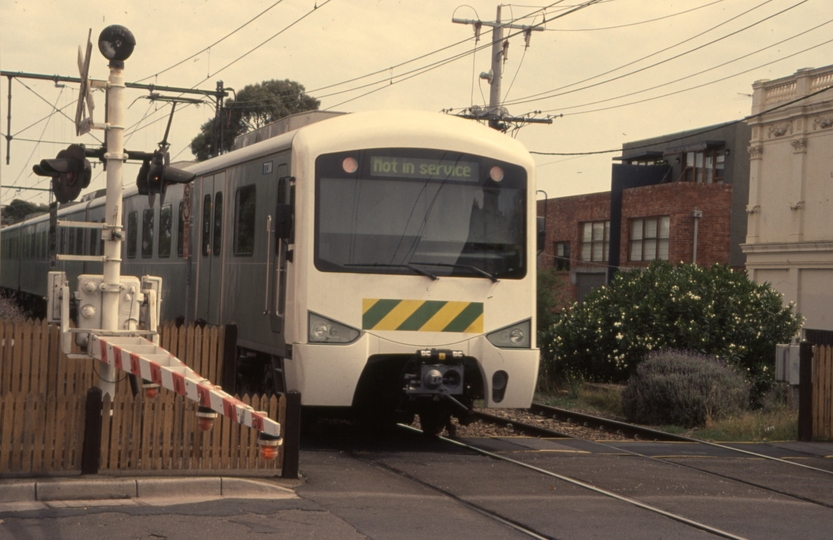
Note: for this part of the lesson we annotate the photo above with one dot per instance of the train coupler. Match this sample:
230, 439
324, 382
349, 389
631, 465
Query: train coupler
438, 372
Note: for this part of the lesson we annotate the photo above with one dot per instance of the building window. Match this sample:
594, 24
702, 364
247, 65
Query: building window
562, 256
147, 233
132, 234
165, 232
595, 240
705, 167
244, 220
649, 238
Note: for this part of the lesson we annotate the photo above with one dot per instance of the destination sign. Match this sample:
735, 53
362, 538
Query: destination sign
406, 167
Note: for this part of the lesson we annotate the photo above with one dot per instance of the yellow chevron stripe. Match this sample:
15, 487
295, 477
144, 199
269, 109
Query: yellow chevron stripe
397, 316
476, 327
368, 303
445, 315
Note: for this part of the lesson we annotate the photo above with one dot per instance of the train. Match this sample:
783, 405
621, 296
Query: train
382, 263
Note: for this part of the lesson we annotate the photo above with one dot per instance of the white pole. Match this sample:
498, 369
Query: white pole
115, 158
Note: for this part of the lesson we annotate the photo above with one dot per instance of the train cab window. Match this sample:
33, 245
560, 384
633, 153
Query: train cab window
218, 224
180, 232
147, 233
206, 226
244, 220
165, 217
132, 234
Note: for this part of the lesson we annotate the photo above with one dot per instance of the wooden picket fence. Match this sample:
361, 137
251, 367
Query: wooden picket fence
43, 398
823, 392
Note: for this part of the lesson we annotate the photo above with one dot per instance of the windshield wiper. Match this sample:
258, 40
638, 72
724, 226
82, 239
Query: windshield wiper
414, 269
475, 269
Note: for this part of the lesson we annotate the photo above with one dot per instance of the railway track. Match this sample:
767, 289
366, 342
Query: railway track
643, 433
603, 473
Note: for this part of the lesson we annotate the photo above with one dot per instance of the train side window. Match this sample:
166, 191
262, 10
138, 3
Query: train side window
218, 224
70, 243
180, 232
147, 233
244, 220
165, 215
94, 239
79, 241
206, 226
132, 234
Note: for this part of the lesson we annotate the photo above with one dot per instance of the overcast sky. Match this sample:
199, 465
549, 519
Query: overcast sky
605, 67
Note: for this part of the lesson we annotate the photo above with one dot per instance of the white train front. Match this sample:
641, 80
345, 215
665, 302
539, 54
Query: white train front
347, 250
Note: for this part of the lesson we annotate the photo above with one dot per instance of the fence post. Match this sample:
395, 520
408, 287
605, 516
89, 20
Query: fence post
91, 453
229, 376
805, 392
291, 435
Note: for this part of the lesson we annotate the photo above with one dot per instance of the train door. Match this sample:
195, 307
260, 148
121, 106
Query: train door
210, 254
277, 285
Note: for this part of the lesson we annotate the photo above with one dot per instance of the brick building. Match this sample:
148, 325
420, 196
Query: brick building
679, 198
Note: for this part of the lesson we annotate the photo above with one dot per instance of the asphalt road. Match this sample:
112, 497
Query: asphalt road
413, 488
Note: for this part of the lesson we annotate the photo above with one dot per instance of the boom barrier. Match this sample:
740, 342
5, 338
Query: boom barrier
151, 362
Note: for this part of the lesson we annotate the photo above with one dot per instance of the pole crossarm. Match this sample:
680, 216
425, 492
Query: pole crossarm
150, 87
536, 28
142, 358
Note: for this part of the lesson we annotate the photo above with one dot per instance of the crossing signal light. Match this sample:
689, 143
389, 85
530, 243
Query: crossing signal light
156, 174
70, 172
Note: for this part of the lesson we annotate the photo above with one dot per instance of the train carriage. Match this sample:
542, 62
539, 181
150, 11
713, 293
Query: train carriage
381, 261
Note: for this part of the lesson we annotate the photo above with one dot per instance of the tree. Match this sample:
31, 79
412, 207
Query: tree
255, 106
19, 209
710, 310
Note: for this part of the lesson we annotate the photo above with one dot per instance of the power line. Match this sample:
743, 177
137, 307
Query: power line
250, 51
638, 23
715, 81
552, 93
430, 67
691, 134
213, 44
561, 109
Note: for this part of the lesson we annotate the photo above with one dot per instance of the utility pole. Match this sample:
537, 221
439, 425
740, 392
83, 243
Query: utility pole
495, 114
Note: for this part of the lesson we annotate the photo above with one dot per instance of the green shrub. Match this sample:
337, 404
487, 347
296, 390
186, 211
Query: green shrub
711, 310
683, 388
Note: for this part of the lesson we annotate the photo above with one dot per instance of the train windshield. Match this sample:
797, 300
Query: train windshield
427, 212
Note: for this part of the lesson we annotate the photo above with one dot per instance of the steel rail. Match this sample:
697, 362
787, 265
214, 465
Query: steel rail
670, 436
462, 502
545, 432
590, 487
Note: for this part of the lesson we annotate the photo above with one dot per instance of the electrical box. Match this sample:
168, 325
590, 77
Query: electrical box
787, 362
54, 284
90, 295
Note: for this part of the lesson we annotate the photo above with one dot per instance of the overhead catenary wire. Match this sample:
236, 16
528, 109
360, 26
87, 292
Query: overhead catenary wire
549, 94
695, 133
208, 48
425, 69
691, 75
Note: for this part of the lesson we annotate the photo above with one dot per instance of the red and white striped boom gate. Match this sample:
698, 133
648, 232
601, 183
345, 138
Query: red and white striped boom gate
151, 362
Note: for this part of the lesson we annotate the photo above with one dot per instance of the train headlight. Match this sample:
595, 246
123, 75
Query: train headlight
324, 330
515, 336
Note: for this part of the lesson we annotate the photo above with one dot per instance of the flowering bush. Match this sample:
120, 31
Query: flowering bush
711, 310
